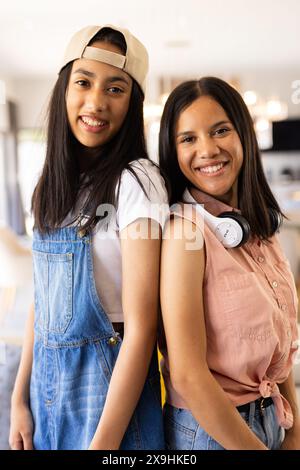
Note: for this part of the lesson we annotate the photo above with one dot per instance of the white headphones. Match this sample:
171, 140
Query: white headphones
230, 228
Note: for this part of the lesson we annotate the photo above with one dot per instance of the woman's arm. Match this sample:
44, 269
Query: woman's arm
21, 428
292, 436
140, 291
182, 310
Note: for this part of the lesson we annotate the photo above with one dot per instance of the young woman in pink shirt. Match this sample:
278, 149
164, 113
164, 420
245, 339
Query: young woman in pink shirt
229, 313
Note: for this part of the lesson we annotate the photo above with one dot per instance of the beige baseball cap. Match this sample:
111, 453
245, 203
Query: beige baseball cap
135, 62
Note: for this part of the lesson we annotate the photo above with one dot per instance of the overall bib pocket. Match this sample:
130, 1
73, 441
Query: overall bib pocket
53, 274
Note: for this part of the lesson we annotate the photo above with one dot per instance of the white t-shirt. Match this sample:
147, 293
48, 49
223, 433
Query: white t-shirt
133, 204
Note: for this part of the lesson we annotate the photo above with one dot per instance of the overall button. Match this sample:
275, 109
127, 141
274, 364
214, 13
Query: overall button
113, 341
81, 233
274, 284
283, 307
261, 259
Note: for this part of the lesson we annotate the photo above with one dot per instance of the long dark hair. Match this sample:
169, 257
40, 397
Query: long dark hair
255, 197
60, 184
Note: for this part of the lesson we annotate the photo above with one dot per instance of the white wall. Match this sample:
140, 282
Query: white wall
31, 96
273, 84
2, 184
267, 82
275, 162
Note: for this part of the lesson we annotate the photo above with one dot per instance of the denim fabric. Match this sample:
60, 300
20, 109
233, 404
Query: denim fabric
75, 350
182, 432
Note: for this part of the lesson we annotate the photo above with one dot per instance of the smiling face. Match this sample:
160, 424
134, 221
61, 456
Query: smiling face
97, 99
209, 150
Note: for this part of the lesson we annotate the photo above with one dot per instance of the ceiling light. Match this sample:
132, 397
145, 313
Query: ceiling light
262, 125
250, 97
276, 110
177, 43
152, 111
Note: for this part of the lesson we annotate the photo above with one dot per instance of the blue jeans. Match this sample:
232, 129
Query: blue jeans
182, 431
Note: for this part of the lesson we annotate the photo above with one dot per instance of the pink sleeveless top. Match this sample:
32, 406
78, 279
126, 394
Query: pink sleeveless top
250, 306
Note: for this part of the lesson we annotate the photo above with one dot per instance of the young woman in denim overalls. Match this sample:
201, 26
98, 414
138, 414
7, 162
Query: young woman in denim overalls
228, 297
91, 378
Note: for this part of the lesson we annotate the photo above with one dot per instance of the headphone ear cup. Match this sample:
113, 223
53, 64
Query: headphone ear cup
243, 223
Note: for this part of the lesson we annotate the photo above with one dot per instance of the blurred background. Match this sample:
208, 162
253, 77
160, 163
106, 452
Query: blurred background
253, 45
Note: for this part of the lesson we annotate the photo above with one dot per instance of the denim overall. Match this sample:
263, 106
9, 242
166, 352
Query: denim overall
75, 349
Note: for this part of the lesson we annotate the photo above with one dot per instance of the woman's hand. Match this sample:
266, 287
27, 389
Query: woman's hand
292, 436
21, 424
292, 439
21, 428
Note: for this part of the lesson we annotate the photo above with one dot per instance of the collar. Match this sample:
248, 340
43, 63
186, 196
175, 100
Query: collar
211, 204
